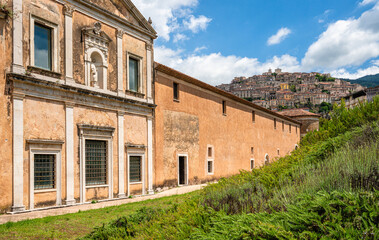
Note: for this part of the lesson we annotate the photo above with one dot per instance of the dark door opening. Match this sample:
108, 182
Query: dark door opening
182, 170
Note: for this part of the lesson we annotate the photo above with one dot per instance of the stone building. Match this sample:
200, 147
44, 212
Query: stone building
203, 133
309, 121
83, 119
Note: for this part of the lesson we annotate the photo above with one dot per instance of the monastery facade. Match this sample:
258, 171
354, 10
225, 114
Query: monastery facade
87, 115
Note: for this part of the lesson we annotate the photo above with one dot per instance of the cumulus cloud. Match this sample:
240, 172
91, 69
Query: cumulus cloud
216, 68
195, 24
366, 2
179, 37
279, 36
343, 73
345, 43
165, 14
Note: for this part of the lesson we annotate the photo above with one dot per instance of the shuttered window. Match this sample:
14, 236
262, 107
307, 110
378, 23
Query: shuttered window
44, 171
135, 168
96, 162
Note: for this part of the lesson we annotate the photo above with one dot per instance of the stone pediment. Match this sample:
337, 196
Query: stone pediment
125, 9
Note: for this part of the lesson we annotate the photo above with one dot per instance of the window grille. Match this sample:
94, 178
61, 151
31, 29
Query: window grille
96, 162
135, 169
44, 171
210, 166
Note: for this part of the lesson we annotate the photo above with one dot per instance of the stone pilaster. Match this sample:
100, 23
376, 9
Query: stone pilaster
70, 177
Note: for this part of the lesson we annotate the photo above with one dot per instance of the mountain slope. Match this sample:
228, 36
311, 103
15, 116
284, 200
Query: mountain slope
366, 81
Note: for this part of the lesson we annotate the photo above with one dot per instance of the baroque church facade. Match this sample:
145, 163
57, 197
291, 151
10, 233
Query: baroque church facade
87, 115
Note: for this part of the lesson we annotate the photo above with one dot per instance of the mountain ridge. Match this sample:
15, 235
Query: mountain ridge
366, 81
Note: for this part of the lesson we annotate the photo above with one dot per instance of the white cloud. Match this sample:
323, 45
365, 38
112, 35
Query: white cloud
179, 37
345, 43
343, 73
366, 2
199, 49
165, 13
215, 68
279, 36
195, 24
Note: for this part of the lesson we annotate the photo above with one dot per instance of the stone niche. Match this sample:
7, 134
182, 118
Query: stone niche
96, 44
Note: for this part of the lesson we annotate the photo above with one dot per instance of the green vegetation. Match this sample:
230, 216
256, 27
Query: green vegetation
293, 88
328, 189
324, 107
72, 226
323, 78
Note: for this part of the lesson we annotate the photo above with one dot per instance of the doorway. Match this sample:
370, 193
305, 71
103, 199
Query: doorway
183, 170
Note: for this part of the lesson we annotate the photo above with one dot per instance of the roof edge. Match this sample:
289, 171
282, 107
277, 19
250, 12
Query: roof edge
189, 79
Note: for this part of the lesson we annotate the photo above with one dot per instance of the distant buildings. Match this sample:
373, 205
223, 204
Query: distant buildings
280, 90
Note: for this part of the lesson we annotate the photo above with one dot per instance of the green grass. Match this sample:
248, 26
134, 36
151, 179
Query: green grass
74, 225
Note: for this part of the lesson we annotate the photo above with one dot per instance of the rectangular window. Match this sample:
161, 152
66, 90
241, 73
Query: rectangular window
278, 151
224, 107
210, 166
290, 128
274, 123
282, 125
42, 46
135, 163
296, 129
253, 116
252, 150
210, 152
252, 164
44, 171
133, 74
96, 162
176, 91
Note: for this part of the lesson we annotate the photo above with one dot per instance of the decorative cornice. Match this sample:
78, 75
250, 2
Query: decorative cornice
132, 145
68, 10
120, 113
19, 96
45, 141
69, 104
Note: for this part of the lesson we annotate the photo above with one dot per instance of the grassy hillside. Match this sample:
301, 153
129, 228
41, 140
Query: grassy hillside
328, 188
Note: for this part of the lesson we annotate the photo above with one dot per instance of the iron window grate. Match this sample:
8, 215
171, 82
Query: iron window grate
135, 169
44, 171
96, 162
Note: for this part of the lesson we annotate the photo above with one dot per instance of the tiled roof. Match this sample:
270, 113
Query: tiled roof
297, 113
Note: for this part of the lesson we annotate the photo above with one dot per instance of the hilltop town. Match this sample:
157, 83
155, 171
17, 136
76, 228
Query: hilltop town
277, 90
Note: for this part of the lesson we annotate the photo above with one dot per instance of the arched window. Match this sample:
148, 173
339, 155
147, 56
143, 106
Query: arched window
296, 146
267, 159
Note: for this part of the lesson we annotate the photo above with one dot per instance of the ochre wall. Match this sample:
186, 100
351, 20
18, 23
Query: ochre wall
196, 120
5, 115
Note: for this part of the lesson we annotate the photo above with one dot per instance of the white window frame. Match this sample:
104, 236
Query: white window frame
210, 159
187, 173
89, 132
54, 42
45, 147
252, 160
137, 153
264, 161
140, 71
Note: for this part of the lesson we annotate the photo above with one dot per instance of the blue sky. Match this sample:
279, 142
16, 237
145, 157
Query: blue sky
216, 40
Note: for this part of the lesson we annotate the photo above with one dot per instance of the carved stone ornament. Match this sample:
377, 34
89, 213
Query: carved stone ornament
120, 33
96, 52
68, 10
149, 46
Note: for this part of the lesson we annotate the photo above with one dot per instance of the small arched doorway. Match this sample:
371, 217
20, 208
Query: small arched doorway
267, 159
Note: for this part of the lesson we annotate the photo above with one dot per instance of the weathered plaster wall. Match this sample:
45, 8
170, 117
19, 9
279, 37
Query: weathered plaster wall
134, 47
308, 124
232, 135
43, 120
49, 11
5, 116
